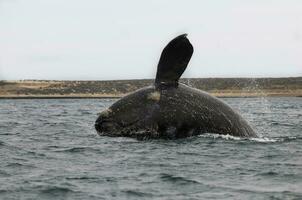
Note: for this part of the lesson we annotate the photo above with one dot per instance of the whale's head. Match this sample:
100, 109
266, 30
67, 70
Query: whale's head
131, 115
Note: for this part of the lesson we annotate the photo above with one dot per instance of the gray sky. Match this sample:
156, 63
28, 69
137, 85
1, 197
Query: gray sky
96, 39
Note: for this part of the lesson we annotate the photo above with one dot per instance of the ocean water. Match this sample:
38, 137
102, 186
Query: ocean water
50, 150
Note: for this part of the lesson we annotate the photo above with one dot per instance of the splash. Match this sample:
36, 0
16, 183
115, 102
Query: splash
264, 139
230, 137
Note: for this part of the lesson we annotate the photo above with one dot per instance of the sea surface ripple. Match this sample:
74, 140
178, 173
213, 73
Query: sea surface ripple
50, 150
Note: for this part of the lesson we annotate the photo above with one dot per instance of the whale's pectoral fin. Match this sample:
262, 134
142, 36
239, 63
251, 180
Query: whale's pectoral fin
173, 61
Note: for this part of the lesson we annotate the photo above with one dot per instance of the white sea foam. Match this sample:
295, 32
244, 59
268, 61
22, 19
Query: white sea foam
215, 136
264, 139
230, 137
227, 137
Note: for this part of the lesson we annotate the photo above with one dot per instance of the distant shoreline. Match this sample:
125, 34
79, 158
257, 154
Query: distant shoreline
117, 97
219, 95
219, 87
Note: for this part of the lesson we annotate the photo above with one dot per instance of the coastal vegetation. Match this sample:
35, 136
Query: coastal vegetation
221, 87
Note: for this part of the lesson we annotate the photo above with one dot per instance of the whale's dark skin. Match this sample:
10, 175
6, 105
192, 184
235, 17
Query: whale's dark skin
171, 110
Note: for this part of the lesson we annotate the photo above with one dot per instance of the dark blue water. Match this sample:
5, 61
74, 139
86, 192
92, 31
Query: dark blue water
49, 150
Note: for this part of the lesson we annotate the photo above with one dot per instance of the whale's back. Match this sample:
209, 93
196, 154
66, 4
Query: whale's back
190, 107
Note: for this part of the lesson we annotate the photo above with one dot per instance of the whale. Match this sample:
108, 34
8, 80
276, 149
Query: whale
169, 109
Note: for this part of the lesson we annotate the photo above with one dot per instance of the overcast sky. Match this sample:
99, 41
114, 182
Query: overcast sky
96, 39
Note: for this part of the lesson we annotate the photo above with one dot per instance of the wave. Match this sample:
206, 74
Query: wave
82, 178
178, 179
282, 124
136, 193
55, 190
77, 149
19, 165
2, 143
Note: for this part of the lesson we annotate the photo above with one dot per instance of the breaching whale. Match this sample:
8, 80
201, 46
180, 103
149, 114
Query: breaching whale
169, 109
